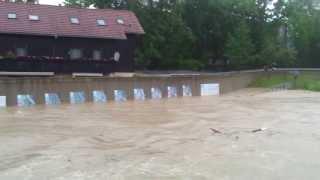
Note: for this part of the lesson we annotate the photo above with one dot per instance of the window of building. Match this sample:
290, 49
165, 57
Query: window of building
120, 95
25, 100
120, 20
74, 20
34, 18
116, 56
75, 54
97, 55
21, 52
12, 16
101, 22
77, 97
99, 96
3, 101
52, 99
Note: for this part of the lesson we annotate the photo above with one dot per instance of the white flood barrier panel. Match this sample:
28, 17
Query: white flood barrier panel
172, 92
120, 95
77, 97
156, 93
139, 95
210, 89
3, 101
99, 97
186, 90
52, 99
25, 100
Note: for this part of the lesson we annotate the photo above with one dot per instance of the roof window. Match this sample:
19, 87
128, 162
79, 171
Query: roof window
120, 20
101, 22
34, 18
74, 20
12, 16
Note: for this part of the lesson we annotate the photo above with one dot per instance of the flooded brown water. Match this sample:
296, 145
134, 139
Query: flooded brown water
167, 139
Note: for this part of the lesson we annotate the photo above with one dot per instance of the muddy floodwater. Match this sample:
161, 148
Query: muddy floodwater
166, 139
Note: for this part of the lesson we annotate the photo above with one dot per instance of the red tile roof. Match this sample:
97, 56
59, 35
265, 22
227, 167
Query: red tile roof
55, 21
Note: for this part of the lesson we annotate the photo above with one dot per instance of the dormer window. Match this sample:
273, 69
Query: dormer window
34, 18
101, 22
120, 20
12, 16
74, 20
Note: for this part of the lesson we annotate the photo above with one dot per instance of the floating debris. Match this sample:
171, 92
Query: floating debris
215, 131
258, 130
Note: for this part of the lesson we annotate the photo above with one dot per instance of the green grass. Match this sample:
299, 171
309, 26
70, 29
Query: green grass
271, 80
306, 81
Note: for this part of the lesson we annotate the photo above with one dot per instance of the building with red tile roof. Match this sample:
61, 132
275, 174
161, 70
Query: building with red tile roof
58, 35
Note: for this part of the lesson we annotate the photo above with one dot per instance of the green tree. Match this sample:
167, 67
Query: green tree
77, 3
239, 47
167, 42
304, 22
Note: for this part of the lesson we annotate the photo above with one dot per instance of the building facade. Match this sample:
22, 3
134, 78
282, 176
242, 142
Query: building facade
43, 38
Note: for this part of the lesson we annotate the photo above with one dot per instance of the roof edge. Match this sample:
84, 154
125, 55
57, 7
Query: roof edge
63, 36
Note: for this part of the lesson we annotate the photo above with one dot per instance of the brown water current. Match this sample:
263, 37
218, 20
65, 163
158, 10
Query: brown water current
166, 139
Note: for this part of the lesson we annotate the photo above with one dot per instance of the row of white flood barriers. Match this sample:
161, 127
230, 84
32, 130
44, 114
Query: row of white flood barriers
79, 97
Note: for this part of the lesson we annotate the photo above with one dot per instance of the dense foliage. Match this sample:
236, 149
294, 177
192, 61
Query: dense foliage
232, 34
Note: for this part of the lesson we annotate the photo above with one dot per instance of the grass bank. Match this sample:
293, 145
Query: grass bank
305, 81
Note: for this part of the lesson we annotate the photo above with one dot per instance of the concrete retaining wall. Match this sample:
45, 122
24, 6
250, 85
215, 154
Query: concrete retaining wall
63, 85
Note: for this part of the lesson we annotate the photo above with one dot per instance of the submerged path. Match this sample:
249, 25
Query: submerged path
167, 139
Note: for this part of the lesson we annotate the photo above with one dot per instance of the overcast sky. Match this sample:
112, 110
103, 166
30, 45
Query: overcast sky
51, 2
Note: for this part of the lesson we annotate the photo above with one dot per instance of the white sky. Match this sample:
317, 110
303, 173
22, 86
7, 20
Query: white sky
51, 2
